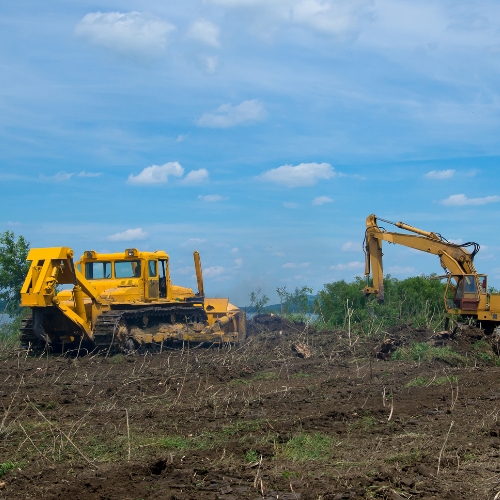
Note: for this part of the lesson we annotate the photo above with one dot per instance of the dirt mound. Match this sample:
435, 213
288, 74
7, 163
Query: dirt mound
262, 323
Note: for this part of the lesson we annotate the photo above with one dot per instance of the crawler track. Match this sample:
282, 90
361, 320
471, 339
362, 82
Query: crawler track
27, 336
106, 329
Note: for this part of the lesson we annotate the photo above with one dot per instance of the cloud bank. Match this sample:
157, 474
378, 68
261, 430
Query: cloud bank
457, 200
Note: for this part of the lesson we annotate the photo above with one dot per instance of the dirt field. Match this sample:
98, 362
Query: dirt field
257, 421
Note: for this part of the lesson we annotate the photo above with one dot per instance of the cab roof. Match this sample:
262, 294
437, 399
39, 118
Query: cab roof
128, 254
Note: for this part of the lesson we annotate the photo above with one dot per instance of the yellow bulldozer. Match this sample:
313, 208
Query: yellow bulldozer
466, 292
119, 302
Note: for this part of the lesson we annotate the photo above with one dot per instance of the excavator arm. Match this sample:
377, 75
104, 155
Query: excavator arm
455, 259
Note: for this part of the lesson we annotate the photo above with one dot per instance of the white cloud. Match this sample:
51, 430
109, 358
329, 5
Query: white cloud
193, 241
156, 174
279, 254
229, 116
338, 18
212, 197
289, 204
238, 262
349, 265
213, 272
83, 173
130, 33
235, 250
181, 137
207, 64
440, 174
205, 32
196, 176
350, 246
293, 265
66, 176
305, 174
321, 200
460, 199
129, 235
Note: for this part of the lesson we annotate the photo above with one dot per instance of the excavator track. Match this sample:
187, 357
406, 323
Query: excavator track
107, 326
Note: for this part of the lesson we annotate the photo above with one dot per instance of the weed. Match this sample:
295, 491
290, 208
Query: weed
300, 375
306, 447
421, 351
445, 380
417, 382
251, 456
117, 359
287, 474
239, 381
403, 458
421, 381
485, 353
368, 421
173, 442
103, 451
7, 466
266, 376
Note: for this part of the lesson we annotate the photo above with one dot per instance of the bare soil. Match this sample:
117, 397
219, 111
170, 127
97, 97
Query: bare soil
256, 421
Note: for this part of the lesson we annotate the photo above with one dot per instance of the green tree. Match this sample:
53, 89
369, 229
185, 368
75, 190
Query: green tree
298, 301
13, 270
258, 302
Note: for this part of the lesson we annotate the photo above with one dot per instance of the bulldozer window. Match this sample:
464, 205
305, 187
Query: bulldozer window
152, 268
97, 270
128, 269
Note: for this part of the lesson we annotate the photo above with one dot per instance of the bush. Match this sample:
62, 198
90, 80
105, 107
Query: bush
417, 301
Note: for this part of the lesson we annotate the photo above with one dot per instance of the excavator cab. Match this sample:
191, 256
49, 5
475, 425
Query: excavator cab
463, 291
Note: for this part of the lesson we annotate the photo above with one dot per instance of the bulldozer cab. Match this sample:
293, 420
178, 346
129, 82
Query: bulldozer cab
463, 291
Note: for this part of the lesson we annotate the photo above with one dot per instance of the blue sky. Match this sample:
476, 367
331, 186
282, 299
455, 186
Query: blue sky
260, 133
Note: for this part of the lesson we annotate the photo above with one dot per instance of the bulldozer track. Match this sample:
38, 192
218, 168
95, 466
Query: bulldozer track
107, 324
27, 336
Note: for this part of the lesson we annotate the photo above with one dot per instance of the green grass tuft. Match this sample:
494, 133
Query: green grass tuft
421, 351
251, 456
308, 447
173, 443
7, 466
421, 381
266, 376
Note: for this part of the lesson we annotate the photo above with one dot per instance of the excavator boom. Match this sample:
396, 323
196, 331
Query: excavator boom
455, 258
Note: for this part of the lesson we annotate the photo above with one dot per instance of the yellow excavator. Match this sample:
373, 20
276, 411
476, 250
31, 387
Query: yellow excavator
119, 302
466, 292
